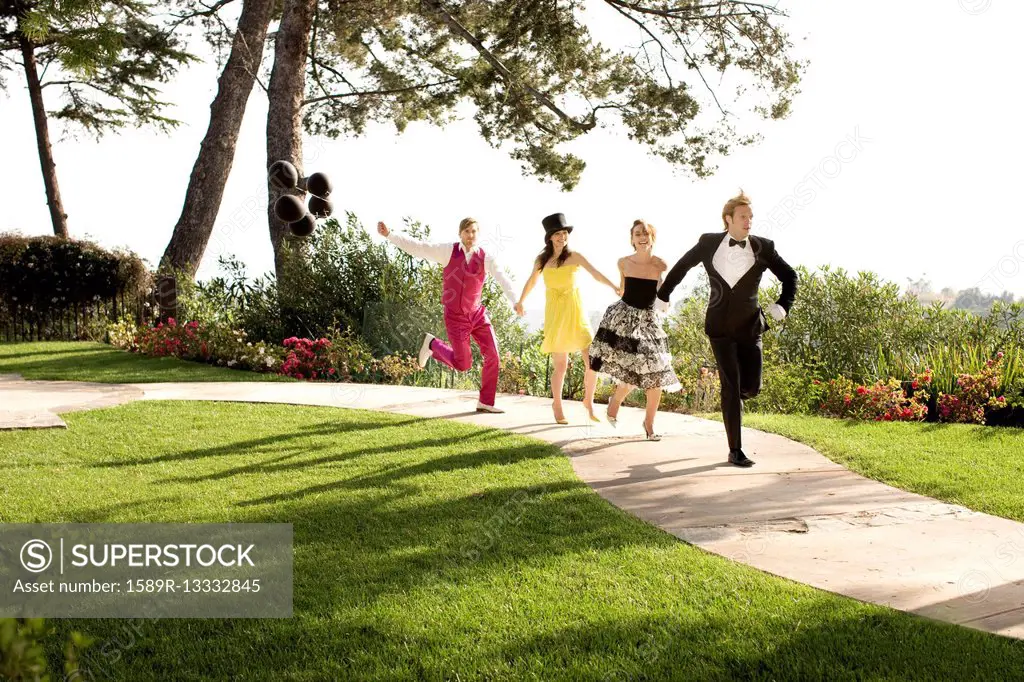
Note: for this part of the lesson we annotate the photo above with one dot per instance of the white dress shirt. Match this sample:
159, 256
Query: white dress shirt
732, 262
442, 253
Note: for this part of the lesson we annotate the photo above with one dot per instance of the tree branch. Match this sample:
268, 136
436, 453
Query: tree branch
209, 11
646, 30
88, 84
690, 11
461, 31
366, 93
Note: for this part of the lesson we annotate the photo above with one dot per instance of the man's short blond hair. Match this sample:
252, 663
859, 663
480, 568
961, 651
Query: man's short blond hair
466, 222
730, 207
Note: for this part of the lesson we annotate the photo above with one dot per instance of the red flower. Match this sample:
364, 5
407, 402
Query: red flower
861, 390
914, 385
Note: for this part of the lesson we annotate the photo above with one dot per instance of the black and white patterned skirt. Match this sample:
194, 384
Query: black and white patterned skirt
631, 346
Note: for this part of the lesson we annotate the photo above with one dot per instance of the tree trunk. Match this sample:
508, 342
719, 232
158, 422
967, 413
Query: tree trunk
35, 93
217, 150
284, 118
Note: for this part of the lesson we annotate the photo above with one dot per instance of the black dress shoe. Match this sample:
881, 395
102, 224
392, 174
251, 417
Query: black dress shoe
739, 459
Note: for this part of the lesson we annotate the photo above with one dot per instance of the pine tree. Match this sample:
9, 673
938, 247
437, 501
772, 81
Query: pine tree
104, 57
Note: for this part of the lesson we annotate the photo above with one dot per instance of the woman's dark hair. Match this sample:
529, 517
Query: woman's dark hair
549, 250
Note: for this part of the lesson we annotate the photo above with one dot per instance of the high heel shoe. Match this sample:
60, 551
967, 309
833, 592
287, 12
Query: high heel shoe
650, 434
614, 421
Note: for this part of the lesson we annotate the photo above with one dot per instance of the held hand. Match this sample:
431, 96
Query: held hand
619, 291
777, 312
382, 229
519, 309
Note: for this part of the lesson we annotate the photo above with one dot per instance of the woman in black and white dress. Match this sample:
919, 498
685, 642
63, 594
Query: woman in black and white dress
630, 345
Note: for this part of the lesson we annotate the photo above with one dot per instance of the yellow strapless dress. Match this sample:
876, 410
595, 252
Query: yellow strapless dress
566, 328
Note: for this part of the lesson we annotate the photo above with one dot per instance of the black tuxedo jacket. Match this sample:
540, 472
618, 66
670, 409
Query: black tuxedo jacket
734, 312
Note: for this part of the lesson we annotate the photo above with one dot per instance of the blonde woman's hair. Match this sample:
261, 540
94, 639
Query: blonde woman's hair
466, 222
650, 230
740, 199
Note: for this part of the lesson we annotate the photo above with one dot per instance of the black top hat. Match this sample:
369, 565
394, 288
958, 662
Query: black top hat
555, 223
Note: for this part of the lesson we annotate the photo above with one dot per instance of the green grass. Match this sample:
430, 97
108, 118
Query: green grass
84, 361
427, 549
978, 467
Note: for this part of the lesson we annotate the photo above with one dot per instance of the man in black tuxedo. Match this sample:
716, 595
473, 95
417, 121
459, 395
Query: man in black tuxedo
734, 322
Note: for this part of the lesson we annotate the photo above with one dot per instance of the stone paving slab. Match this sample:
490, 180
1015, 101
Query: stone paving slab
794, 514
36, 404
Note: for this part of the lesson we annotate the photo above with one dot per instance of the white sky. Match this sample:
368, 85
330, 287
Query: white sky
922, 92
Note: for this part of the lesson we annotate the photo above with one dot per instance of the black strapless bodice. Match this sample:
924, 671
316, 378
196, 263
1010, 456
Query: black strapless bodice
639, 292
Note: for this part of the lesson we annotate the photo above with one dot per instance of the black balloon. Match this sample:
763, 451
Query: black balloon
304, 226
282, 175
289, 208
320, 208
318, 185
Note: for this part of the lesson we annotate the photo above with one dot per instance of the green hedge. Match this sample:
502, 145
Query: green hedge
47, 274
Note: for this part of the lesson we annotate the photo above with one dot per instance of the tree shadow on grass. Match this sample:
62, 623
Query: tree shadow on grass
324, 429
277, 465
353, 554
368, 545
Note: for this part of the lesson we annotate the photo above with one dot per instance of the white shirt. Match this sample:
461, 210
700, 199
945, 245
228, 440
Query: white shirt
732, 262
442, 253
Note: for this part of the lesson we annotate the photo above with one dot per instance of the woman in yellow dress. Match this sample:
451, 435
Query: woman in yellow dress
566, 329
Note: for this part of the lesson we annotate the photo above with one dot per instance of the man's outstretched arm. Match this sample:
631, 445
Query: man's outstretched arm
495, 271
689, 260
436, 253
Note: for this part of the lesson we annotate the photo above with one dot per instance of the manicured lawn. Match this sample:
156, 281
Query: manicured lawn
84, 361
427, 549
979, 467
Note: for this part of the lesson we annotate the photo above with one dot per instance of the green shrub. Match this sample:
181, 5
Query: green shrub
23, 654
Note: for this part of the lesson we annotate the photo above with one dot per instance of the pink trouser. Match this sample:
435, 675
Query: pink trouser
459, 355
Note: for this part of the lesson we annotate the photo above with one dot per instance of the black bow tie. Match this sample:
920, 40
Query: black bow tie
742, 243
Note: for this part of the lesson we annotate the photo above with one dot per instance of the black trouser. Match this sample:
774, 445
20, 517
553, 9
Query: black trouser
739, 370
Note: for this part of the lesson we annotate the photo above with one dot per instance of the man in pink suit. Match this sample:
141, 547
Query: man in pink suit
466, 266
